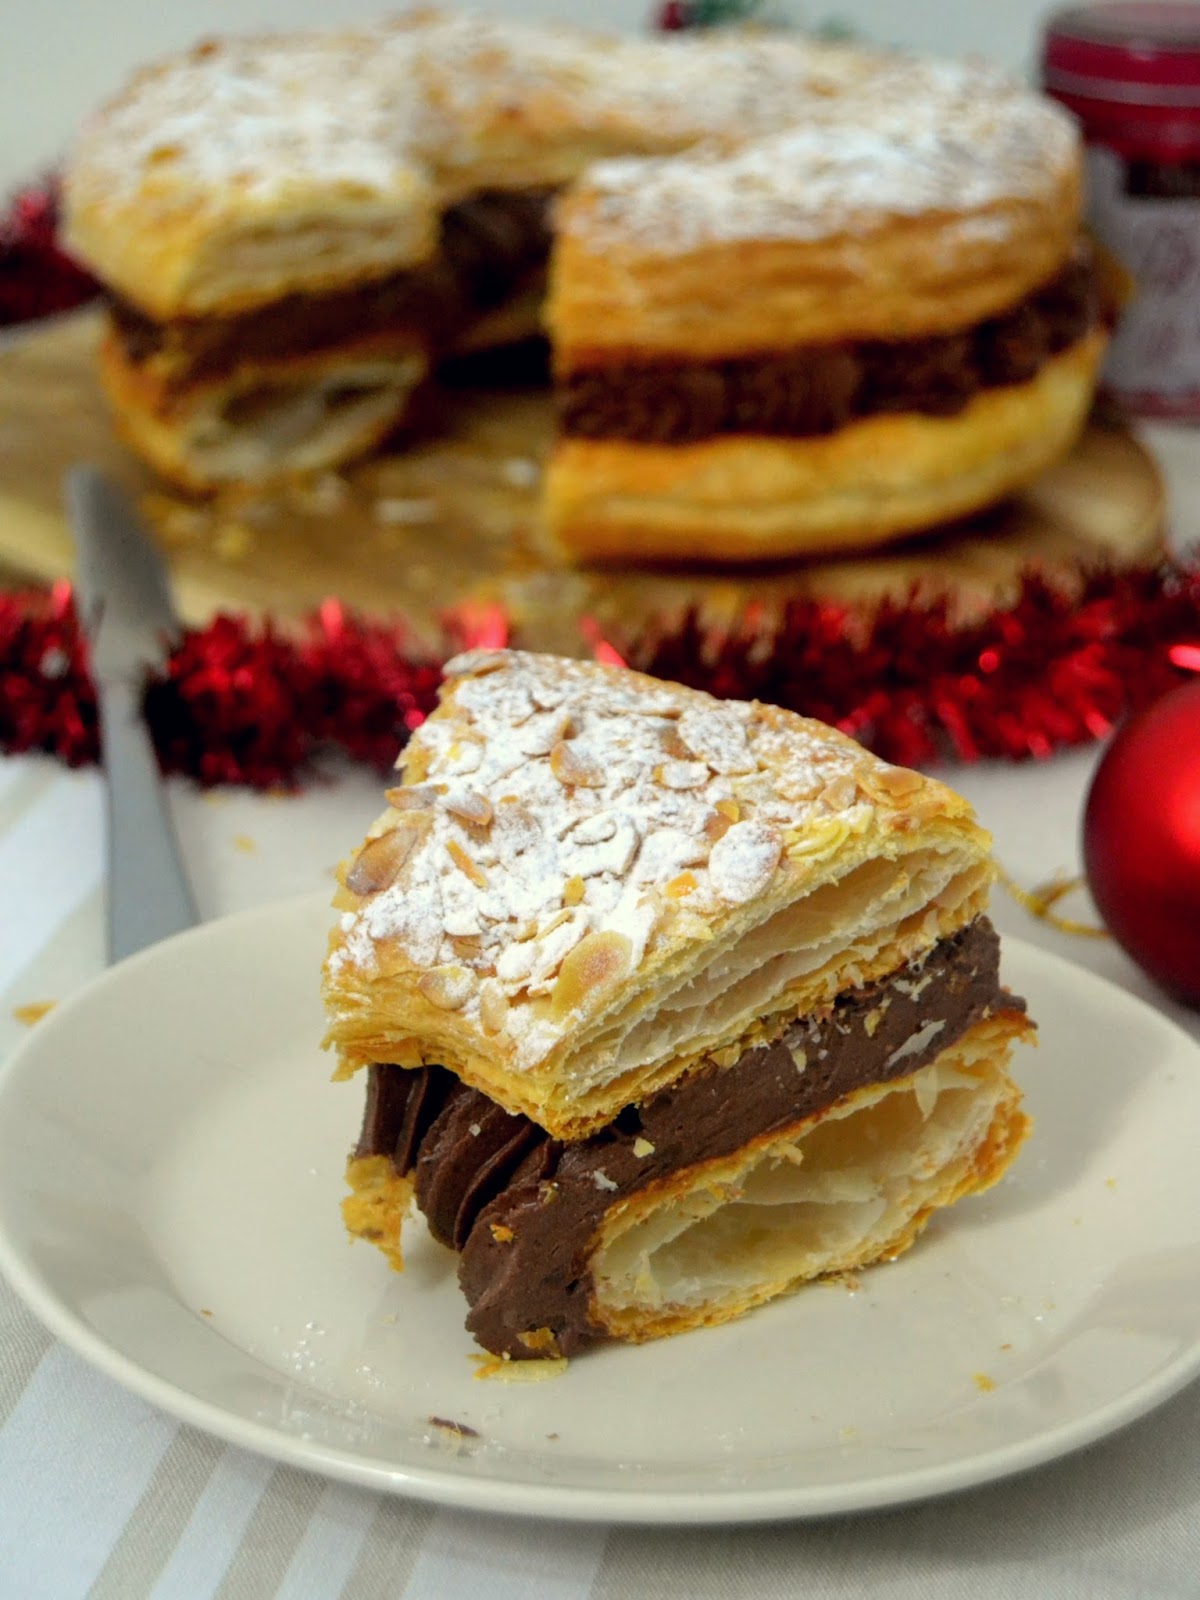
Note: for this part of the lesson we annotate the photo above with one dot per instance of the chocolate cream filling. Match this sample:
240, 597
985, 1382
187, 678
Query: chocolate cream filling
523, 1209
819, 388
491, 246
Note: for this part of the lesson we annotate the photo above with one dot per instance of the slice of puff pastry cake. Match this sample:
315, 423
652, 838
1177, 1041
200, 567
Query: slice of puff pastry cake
667, 1004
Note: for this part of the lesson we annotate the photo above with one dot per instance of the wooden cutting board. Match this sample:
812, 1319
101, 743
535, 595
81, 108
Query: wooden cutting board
453, 517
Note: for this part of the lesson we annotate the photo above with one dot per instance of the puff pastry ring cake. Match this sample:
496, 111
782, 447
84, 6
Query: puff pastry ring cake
802, 297
668, 1005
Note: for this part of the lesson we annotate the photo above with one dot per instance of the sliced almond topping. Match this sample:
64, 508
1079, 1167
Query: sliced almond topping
642, 1147
470, 807
573, 768
730, 809
464, 863
414, 797
447, 988
493, 1007
573, 891
674, 746
716, 826
378, 863
597, 963
682, 774
897, 781
685, 883
840, 793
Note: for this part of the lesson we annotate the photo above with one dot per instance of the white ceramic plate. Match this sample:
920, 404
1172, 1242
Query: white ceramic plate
170, 1168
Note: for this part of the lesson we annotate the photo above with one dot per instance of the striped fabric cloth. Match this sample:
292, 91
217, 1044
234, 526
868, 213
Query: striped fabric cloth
103, 1496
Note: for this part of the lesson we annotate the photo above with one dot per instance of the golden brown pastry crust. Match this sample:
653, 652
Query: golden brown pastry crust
251, 168
990, 1137
233, 428
913, 1172
617, 298
591, 882
744, 498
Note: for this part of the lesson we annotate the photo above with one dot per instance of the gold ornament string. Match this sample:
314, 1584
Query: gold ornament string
1041, 900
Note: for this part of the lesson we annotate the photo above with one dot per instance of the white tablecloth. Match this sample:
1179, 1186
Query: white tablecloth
101, 1495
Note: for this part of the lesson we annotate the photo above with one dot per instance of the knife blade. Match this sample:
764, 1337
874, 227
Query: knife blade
124, 601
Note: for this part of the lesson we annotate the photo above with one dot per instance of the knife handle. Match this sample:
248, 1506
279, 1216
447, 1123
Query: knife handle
148, 893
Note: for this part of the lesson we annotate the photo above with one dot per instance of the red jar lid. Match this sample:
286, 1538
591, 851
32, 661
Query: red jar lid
1140, 54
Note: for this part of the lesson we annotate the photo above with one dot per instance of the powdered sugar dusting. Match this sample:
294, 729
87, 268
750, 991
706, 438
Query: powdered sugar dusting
743, 861
558, 862
799, 138
921, 137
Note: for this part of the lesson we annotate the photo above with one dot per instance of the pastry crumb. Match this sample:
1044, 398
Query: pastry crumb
1110, 1183
642, 1147
234, 542
519, 472
404, 513
244, 843
501, 1233
205, 1312
32, 1011
509, 1371
983, 1383
461, 1430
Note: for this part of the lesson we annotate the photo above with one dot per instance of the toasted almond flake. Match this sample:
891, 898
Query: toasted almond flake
642, 1147
573, 891
464, 863
501, 1233
744, 861
378, 863
897, 781
470, 807
840, 792
493, 1007
597, 963
681, 775
414, 797
682, 885
871, 1021
573, 768
716, 826
799, 1055
447, 988
730, 809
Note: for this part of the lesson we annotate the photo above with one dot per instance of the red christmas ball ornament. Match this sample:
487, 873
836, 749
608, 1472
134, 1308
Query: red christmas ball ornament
1141, 839
673, 16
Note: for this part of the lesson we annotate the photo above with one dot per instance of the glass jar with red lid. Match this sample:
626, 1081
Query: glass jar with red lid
1131, 74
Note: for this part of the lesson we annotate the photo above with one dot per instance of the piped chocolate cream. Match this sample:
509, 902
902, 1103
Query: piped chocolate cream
818, 389
524, 1210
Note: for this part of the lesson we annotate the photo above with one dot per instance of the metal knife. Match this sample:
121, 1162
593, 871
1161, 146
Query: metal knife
124, 602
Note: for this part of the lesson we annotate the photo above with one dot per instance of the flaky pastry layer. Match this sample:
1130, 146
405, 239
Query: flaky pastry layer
590, 881
256, 167
742, 497
850, 1186
268, 420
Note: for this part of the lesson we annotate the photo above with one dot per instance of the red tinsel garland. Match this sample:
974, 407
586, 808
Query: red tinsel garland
248, 703
36, 278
